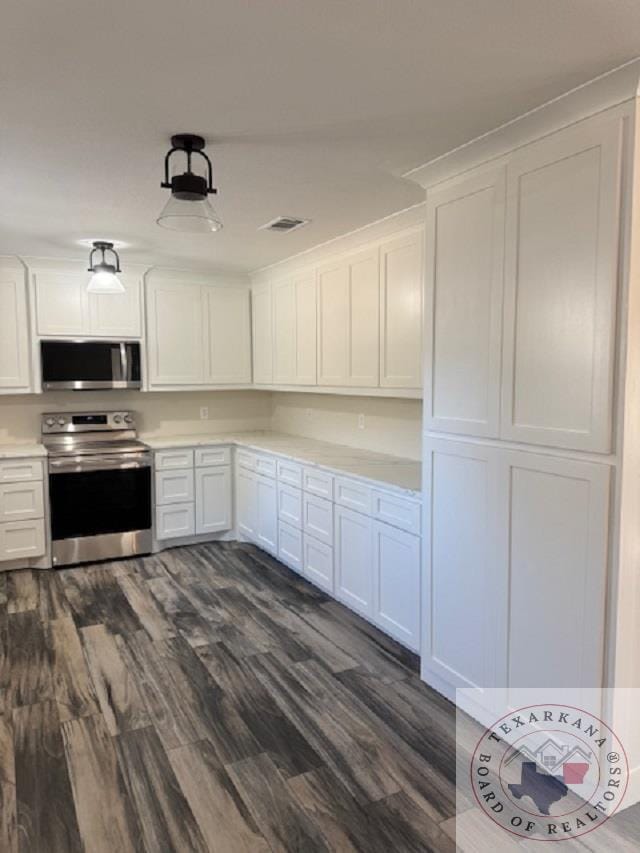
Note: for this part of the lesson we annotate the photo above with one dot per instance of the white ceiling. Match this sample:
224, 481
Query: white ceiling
312, 108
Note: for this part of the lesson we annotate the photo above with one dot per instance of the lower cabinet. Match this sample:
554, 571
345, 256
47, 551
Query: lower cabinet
396, 583
246, 503
175, 520
267, 514
290, 548
318, 563
354, 560
22, 540
213, 499
22, 529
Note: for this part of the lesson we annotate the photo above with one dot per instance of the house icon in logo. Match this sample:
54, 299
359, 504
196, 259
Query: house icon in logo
572, 763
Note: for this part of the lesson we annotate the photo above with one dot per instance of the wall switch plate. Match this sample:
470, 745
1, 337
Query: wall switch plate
360, 421
204, 413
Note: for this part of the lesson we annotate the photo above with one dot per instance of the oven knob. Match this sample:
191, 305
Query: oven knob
128, 419
61, 422
117, 419
50, 421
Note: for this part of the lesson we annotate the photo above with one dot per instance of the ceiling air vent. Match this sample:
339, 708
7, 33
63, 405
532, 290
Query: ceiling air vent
284, 223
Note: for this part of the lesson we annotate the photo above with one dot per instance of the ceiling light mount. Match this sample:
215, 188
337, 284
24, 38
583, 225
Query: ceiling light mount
104, 278
189, 209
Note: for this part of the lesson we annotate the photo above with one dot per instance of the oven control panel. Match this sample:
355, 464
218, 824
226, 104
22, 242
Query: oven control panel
71, 422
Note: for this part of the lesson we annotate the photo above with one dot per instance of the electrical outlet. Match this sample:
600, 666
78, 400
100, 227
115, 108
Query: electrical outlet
204, 413
360, 421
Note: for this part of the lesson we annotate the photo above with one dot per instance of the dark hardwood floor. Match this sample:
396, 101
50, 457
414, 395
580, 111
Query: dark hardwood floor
207, 698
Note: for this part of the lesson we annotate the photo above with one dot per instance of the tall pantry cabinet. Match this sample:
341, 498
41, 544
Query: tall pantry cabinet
529, 276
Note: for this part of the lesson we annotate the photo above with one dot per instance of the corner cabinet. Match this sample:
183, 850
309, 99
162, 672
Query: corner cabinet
197, 335
15, 369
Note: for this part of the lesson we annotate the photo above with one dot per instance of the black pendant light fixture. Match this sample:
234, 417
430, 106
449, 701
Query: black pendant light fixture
189, 208
104, 278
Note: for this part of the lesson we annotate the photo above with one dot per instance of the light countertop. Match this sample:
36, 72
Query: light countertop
21, 451
396, 471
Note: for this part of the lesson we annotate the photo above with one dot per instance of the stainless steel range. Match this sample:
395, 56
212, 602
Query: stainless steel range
99, 486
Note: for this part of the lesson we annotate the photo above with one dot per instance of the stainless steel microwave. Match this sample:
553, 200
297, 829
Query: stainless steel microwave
90, 365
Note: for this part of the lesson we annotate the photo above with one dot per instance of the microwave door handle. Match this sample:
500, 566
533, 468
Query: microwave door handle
124, 359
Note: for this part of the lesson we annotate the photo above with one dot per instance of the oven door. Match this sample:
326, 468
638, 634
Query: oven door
87, 365
96, 501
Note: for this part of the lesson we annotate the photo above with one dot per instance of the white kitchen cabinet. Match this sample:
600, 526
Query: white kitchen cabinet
174, 334
15, 372
317, 518
396, 583
64, 307
294, 331
247, 503
290, 505
401, 287
206, 456
165, 460
318, 563
397, 510
20, 501
175, 521
22, 540
463, 303
561, 272
228, 335
175, 486
267, 514
20, 470
354, 560
348, 321
464, 592
213, 499
290, 549
262, 334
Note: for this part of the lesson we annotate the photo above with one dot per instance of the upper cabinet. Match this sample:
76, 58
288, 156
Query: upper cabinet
197, 334
294, 331
561, 262
401, 285
522, 259
15, 374
65, 308
262, 334
348, 321
463, 303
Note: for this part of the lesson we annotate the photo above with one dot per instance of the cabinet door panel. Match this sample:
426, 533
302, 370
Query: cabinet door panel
318, 563
262, 334
557, 553
354, 560
14, 338
463, 305
62, 303
396, 587
290, 546
20, 501
22, 540
175, 324
246, 504
560, 288
176, 521
228, 335
333, 325
174, 486
267, 509
465, 578
401, 286
306, 330
213, 499
363, 314
117, 314
284, 332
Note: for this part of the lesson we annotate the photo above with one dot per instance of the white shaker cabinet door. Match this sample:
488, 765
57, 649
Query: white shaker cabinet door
14, 338
246, 503
62, 303
561, 270
401, 286
284, 332
463, 303
354, 560
267, 513
396, 583
213, 499
228, 335
174, 328
262, 334
117, 315
306, 329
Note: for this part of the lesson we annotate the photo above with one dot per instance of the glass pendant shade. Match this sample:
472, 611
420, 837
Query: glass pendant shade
195, 216
105, 281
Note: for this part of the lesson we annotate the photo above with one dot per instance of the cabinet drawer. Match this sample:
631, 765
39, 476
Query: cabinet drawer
175, 521
22, 539
245, 459
207, 456
19, 470
353, 495
290, 546
290, 473
396, 510
318, 563
166, 459
174, 487
19, 501
266, 465
318, 483
290, 505
318, 518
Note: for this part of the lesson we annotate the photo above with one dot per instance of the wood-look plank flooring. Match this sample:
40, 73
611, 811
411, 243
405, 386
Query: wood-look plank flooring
208, 699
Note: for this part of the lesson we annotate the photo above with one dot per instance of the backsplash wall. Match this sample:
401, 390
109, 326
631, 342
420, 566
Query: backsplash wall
158, 412
390, 425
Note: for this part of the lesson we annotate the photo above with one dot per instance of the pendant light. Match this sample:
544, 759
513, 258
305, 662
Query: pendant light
104, 278
188, 208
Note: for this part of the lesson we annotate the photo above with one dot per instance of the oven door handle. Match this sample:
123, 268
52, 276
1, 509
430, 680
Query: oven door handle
79, 464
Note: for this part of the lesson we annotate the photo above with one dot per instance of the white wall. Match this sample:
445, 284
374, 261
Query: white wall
391, 426
159, 413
